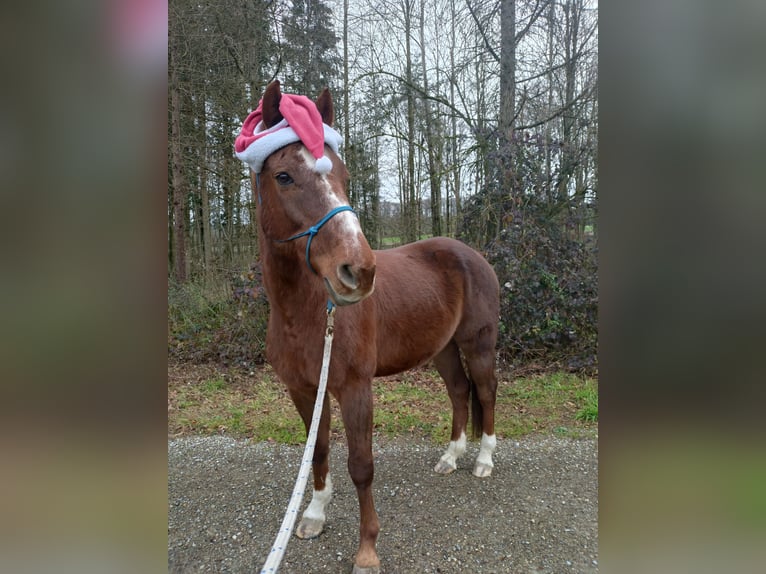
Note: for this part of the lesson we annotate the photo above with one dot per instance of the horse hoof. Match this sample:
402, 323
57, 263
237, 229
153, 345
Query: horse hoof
482, 470
309, 528
443, 467
367, 570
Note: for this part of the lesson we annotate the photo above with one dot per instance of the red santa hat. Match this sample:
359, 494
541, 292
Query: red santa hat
301, 122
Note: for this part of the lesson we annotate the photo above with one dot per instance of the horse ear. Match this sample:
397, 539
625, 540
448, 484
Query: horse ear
324, 105
270, 110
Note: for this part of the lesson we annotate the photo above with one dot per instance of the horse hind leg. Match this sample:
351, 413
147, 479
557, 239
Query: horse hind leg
450, 368
313, 519
481, 366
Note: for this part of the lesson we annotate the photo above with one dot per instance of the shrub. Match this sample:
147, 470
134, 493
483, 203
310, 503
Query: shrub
548, 295
544, 260
225, 324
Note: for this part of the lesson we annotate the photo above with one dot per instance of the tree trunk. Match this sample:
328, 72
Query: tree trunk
548, 125
572, 17
507, 69
404, 200
377, 236
179, 186
453, 81
434, 169
412, 208
171, 247
207, 238
346, 117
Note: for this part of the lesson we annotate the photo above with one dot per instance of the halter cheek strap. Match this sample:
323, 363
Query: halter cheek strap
314, 229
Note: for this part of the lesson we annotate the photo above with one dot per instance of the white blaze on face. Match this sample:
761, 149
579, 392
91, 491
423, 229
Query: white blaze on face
347, 220
319, 501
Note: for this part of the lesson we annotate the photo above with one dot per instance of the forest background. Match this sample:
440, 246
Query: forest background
474, 119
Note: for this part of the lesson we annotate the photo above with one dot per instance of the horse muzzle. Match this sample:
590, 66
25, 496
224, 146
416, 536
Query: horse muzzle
351, 283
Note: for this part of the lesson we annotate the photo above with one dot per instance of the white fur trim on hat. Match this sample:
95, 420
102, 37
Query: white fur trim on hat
277, 137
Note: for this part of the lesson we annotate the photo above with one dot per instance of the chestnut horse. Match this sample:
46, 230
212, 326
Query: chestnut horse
397, 309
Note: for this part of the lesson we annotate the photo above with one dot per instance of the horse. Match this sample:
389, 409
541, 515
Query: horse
396, 309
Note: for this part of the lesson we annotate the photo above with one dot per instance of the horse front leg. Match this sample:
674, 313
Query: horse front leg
356, 407
313, 519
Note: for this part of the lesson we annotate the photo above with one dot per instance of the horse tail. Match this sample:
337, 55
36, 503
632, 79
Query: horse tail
477, 412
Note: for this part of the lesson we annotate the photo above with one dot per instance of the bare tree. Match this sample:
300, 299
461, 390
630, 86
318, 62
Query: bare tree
410, 211
433, 147
179, 186
507, 115
432, 92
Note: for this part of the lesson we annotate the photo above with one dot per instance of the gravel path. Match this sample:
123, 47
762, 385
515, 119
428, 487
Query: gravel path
536, 514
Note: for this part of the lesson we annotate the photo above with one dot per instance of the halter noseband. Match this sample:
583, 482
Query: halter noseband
314, 229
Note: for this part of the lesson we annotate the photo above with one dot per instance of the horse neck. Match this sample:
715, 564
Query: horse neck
291, 287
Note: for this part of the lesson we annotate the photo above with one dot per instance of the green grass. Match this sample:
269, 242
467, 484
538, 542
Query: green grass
547, 403
410, 405
211, 387
215, 405
588, 396
257, 406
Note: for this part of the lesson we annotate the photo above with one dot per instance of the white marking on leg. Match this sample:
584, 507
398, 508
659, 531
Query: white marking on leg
319, 501
488, 444
448, 462
484, 464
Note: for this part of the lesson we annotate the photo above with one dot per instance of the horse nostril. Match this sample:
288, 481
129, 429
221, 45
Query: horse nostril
347, 276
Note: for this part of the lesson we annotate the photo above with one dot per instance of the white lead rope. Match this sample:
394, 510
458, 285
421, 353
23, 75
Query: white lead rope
280, 544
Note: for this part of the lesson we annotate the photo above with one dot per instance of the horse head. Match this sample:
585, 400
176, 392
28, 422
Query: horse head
303, 208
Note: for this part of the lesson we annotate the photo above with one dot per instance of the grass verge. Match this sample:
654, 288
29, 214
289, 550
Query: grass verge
206, 399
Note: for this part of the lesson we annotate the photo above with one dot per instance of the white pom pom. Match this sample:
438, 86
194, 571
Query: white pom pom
323, 165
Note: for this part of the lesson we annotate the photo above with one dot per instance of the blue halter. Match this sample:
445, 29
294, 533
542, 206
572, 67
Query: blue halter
314, 229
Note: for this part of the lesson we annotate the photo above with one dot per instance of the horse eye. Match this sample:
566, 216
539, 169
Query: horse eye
283, 178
